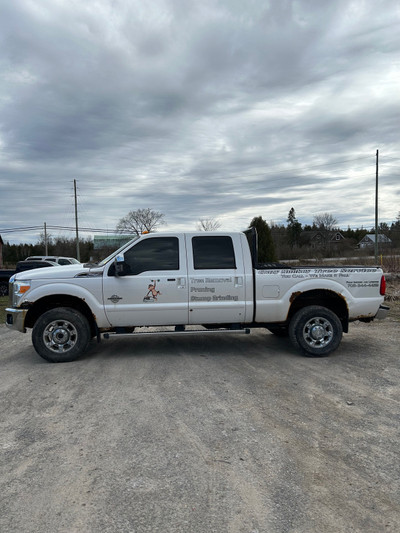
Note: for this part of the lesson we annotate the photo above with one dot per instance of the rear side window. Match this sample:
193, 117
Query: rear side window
213, 252
158, 253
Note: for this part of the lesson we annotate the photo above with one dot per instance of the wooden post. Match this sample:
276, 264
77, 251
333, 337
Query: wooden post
78, 255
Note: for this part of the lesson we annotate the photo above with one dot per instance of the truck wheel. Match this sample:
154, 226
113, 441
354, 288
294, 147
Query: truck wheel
61, 335
315, 330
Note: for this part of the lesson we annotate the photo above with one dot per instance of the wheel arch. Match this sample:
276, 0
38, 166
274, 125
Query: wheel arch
60, 300
324, 297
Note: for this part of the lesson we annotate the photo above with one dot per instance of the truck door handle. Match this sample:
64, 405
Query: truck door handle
238, 281
181, 283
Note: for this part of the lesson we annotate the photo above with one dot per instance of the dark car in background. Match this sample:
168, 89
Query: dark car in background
22, 266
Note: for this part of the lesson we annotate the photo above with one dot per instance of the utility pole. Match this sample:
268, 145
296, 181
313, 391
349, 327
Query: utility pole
78, 255
46, 248
376, 207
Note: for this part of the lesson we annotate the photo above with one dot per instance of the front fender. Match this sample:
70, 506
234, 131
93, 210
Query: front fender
92, 296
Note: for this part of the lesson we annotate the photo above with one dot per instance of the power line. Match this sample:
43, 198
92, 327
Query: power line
24, 228
62, 228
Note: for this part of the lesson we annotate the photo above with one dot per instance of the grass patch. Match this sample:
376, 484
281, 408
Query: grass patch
394, 309
392, 299
3, 305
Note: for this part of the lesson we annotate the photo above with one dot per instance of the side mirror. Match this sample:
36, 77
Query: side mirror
121, 268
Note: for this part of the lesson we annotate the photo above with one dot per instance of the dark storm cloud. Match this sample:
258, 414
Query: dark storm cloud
218, 109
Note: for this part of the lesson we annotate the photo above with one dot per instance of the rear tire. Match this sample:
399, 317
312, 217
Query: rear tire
316, 331
61, 335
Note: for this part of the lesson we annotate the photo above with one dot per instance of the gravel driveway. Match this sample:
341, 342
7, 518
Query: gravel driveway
202, 434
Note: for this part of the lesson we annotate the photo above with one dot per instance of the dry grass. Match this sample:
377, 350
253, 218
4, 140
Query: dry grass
392, 298
3, 305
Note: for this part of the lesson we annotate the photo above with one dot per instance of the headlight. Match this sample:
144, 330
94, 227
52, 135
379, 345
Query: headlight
19, 289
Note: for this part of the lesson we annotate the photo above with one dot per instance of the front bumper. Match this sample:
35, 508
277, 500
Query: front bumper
382, 312
15, 319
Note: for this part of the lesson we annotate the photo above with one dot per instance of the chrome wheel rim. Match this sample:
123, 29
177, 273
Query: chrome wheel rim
60, 336
318, 332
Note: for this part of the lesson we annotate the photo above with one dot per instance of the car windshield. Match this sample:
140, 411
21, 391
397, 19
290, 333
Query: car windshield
107, 259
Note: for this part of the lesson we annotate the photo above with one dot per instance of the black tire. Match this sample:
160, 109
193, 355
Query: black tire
316, 331
279, 331
61, 335
3, 288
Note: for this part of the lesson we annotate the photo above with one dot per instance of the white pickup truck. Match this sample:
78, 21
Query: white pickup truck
208, 280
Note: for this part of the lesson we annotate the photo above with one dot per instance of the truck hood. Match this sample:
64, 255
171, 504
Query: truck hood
62, 272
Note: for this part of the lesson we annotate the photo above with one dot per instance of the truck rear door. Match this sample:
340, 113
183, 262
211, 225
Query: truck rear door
216, 279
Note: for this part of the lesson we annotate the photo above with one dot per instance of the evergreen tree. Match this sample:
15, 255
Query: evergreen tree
293, 229
266, 247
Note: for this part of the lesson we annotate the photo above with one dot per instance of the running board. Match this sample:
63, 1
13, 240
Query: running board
244, 331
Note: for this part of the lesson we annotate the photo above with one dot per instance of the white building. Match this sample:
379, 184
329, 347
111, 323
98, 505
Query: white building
369, 240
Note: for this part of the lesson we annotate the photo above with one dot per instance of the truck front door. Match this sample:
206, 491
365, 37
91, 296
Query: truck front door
216, 279
154, 290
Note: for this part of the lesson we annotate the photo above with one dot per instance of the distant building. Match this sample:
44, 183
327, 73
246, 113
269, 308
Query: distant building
320, 238
110, 241
369, 240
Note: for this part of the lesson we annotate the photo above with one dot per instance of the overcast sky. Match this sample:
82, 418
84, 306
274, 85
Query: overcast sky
220, 108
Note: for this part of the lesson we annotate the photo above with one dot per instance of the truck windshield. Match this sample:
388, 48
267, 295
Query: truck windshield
107, 259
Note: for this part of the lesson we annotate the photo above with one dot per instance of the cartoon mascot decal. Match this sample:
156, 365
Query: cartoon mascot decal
152, 293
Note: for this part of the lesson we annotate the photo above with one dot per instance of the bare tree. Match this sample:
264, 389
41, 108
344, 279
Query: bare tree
325, 221
45, 239
136, 222
208, 224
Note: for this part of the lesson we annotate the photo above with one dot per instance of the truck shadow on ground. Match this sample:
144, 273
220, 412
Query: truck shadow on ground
258, 345
359, 343
255, 345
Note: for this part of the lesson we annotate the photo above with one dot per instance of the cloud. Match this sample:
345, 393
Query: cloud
218, 109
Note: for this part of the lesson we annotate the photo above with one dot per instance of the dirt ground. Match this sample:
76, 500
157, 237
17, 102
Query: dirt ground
235, 433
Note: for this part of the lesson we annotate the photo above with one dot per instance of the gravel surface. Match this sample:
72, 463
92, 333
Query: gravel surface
202, 434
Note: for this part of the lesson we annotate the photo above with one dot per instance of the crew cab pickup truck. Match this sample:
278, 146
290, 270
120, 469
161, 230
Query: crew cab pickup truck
211, 281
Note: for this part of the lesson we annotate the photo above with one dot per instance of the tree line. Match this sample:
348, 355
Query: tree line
295, 240
290, 241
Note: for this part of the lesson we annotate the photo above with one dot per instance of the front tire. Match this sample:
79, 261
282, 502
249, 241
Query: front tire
316, 331
61, 335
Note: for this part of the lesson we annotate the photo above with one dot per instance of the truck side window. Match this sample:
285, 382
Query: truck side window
158, 253
213, 252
